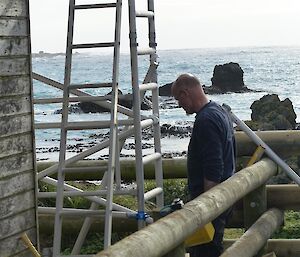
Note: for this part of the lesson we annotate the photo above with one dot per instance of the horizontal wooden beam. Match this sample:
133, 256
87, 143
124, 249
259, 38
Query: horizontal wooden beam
256, 236
169, 232
281, 247
282, 142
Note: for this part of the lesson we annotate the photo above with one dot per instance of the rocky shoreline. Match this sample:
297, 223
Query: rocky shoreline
268, 113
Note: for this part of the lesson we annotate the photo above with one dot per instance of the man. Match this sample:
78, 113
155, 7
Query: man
211, 151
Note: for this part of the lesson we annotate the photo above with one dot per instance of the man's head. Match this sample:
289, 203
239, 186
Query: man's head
188, 91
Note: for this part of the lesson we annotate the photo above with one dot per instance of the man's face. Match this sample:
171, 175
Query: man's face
182, 96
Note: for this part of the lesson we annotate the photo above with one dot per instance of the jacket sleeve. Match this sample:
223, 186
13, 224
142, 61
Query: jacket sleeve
209, 138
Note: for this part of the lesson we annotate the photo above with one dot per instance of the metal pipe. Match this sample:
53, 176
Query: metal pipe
152, 193
151, 157
164, 235
256, 236
86, 193
80, 212
92, 150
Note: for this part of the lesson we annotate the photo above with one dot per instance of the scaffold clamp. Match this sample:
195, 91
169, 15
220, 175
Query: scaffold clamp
141, 215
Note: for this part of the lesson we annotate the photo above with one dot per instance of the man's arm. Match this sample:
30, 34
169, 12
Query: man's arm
208, 184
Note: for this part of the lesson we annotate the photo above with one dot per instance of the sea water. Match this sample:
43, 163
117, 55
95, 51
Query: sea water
269, 70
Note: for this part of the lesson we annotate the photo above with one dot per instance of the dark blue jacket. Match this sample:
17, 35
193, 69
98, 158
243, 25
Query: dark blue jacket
211, 152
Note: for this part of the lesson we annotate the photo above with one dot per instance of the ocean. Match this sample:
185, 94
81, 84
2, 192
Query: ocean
269, 70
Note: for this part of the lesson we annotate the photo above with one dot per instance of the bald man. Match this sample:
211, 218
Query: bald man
211, 151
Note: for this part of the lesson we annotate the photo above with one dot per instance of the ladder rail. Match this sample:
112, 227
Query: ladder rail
114, 137
137, 111
139, 93
63, 140
155, 103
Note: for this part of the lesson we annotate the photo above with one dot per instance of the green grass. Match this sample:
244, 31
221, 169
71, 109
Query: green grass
173, 188
289, 230
291, 227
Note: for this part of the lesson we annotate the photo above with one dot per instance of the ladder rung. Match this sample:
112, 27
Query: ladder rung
86, 193
94, 85
151, 157
72, 99
93, 6
80, 212
144, 51
76, 212
152, 193
93, 45
144, 14
148, 86
77, 99
83, 169
95, 124
83, 124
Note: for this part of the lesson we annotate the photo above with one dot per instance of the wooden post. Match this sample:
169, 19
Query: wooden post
255, 203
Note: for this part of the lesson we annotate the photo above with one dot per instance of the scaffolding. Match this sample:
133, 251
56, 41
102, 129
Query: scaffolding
119, 130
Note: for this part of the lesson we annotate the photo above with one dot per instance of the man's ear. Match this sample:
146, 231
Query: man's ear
186, 91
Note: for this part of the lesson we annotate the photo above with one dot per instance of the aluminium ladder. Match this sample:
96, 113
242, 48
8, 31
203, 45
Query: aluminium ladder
68, 86
149, 83
116, 140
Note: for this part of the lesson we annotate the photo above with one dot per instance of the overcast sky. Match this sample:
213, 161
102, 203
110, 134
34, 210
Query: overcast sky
179, 24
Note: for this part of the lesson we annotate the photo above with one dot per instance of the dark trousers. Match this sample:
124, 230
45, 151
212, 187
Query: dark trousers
215, 247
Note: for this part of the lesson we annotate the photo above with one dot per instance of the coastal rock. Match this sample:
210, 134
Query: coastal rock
269, 113
89, 107
124, 100
73, 108
180, 131
228, 77
165, 90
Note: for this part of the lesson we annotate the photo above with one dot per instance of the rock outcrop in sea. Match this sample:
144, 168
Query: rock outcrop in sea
269, 113
228, 77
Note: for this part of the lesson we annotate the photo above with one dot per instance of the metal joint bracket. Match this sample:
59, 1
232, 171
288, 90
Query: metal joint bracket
133, 35
153, 44
141, 215
155, 119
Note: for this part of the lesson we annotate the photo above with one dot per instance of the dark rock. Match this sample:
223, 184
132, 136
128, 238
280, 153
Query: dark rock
228, 77
89, 107
175, 130
269, 113
73, 108
124, 100
165, 90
